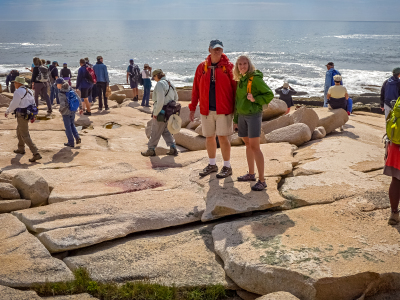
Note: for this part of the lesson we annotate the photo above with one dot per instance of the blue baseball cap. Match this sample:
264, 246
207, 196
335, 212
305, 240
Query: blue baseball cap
59, 80
216, 44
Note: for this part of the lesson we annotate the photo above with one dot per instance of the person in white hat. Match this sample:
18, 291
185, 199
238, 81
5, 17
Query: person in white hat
23, 99
337, 96
285, 93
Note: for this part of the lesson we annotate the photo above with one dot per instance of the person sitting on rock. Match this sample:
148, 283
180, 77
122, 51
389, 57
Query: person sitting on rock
251, 94
10, 80
67, 114
23, 99
337, 95
164, 92
285, 93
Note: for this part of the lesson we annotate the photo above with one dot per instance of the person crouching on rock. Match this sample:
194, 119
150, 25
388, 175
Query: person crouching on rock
22, 103
164, 92
285, 93
337, 95
251, 94
68, 113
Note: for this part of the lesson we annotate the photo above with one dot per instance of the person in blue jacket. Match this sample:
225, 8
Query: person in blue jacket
10, 79
100, 69
84, 85
329, 80
390, 91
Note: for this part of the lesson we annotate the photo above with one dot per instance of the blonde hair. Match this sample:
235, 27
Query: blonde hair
236, 73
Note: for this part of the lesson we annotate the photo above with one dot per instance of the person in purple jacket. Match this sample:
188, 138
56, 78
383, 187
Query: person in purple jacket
84, 85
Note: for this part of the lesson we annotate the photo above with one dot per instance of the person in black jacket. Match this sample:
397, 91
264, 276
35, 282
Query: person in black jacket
285, 93
66, 74
10, 79
390, 91
39, 87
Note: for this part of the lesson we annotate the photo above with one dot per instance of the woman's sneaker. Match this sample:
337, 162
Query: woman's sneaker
247, 177
259, 186
87, 113
394, 219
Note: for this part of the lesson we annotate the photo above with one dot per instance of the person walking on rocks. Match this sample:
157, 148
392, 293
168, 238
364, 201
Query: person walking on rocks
164, 93
251, 94
330, 73
84, 85
103, 81
10, 80
65, 73
214, 87
146, 75
23, 101
67, 114
40, 82
133, 73
53, 77
390, 91
285, 93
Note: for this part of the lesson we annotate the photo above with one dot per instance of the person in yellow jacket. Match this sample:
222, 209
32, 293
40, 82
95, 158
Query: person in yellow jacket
251, 94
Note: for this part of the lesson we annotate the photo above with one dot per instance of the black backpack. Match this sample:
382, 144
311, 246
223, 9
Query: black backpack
44, 74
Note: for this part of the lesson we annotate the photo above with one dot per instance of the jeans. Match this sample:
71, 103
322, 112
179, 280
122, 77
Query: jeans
350, 105
54, 94
101, 91
146, 92
70, 129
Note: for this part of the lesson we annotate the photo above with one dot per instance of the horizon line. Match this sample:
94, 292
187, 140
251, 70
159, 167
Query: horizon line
270, 20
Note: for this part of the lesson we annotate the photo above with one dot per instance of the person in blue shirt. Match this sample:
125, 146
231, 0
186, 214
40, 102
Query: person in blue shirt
329, 80
84, 85
100, 69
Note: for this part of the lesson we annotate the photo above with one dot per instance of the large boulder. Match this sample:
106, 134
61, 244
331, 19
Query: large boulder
7, 293
331, 119
24, 260
274, 109
190, 140
7, 206
306, 116
32, 186
118, 96
199, 130
127, 92
83, 121
280, 122
319, 133
278, 296
184, 95
116, 87
236, 140
8, 95
185, 114
4, 101
296, 134
8, 191
193, 125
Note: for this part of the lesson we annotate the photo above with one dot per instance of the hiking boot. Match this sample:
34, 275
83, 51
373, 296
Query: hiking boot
19, 151
136, 99
173, 151
225, 172
259, 186
78, 141
106, 108
100, 109
87, 113
68, 145
208, 170
247, 177
35, 157
149, 152
394, 219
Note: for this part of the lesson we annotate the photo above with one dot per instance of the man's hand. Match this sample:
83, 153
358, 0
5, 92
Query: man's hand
250, 97
191, 116
383, 109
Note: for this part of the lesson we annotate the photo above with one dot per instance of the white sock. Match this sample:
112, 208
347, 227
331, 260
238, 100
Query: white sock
227, 164
213, 161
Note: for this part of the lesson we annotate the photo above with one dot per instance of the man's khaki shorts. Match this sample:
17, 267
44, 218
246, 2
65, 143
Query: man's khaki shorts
214, 124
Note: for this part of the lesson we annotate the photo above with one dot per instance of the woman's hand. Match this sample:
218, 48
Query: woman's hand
235, 127
250, 97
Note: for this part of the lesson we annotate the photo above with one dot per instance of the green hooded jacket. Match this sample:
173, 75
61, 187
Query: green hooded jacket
260, 91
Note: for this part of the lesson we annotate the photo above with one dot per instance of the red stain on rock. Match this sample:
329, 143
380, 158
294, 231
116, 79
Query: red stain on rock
135, 184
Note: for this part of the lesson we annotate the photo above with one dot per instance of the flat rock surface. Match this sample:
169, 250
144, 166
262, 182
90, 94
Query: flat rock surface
24, 259
7, 206
278, 296
184, 257
7, 293
300, 252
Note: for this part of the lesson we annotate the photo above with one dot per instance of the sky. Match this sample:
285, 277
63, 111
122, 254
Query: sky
332, 10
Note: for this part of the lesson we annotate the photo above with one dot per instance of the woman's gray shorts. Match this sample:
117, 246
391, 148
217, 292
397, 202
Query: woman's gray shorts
250, 125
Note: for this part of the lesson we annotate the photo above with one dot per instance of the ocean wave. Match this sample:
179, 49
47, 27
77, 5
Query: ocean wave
368, 36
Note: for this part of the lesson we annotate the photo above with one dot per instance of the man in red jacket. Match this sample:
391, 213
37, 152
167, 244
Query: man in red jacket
215, 89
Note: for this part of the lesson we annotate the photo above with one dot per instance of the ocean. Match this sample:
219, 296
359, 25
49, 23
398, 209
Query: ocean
293, 51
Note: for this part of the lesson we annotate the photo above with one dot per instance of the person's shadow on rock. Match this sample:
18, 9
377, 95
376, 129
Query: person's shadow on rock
167, 161
65, 155
16, 164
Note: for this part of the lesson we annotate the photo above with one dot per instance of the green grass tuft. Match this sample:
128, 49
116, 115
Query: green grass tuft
140, 290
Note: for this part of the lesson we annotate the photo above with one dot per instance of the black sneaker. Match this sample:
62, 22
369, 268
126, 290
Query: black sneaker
87, 113
247, 177
173, 151
100, 108
225, 172
106, 108
259, 186
68, 145
208, 170
78, 141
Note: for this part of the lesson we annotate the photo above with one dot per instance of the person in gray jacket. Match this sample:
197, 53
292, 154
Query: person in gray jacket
285, 93
68, 116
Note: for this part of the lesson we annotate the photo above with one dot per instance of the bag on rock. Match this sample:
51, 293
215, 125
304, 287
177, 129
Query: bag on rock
393, 124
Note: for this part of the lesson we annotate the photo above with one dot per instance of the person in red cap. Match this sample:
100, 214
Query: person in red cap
214, 87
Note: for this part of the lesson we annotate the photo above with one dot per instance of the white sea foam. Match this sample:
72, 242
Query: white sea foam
368, 36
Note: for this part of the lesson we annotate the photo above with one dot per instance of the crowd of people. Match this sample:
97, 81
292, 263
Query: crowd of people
230, 96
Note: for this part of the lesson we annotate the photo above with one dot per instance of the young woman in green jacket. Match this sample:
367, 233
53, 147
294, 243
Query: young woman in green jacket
251, 94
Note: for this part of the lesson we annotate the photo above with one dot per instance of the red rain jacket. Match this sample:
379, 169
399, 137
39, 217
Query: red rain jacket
225, 87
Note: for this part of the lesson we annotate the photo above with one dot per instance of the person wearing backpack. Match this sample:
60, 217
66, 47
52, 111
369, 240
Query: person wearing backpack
251, 94
53, 77
23, 101
133, 74
164, 93
69, 104
330, 73
83, 84
390, 91
9, 80
40, 83
103, 81
285, 93
65, 73
146, 76
214, 89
